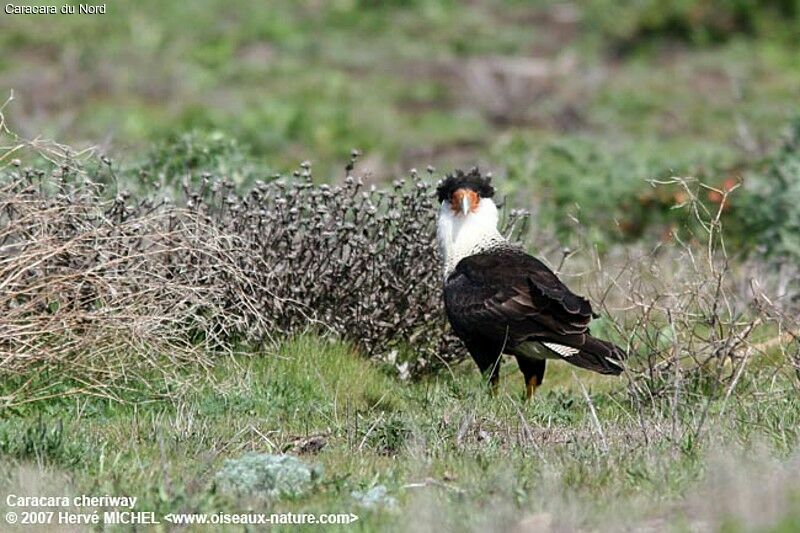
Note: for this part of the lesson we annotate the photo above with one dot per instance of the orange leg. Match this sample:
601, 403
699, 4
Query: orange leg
533, 373
531, 386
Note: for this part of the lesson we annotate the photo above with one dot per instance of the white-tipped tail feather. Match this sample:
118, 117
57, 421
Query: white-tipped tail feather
560, 349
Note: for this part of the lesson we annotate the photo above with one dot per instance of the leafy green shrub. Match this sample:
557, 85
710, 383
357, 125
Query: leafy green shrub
581, 186
699, 22
770, 211
192, 154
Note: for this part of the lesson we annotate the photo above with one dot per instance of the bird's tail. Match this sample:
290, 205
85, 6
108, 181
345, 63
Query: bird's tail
592, 354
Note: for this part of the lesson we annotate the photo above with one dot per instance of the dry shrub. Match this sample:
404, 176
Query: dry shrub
701, 324
99, 288
105, 289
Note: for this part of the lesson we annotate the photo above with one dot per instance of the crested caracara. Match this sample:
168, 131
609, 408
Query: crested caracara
500, 300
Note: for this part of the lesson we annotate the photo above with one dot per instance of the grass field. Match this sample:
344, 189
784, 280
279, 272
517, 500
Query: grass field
451, 455
622, 126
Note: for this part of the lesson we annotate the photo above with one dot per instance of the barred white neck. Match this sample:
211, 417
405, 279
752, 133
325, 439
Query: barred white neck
460, 236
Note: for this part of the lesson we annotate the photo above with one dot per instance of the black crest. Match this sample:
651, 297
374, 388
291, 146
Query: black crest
469, 180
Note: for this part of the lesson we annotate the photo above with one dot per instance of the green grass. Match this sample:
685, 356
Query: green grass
452, 455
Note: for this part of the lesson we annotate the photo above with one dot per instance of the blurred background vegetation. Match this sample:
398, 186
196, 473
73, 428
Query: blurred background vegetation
576, 106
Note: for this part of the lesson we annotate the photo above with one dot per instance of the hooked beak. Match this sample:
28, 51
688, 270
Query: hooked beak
464, 205
463, 201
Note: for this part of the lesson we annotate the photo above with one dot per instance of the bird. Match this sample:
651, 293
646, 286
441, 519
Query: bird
501, 300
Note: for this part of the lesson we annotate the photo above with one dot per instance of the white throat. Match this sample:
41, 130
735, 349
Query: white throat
460, 236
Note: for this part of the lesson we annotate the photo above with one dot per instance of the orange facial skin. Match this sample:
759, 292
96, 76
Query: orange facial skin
457, 199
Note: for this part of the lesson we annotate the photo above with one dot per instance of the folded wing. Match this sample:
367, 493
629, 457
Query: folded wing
515, 297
